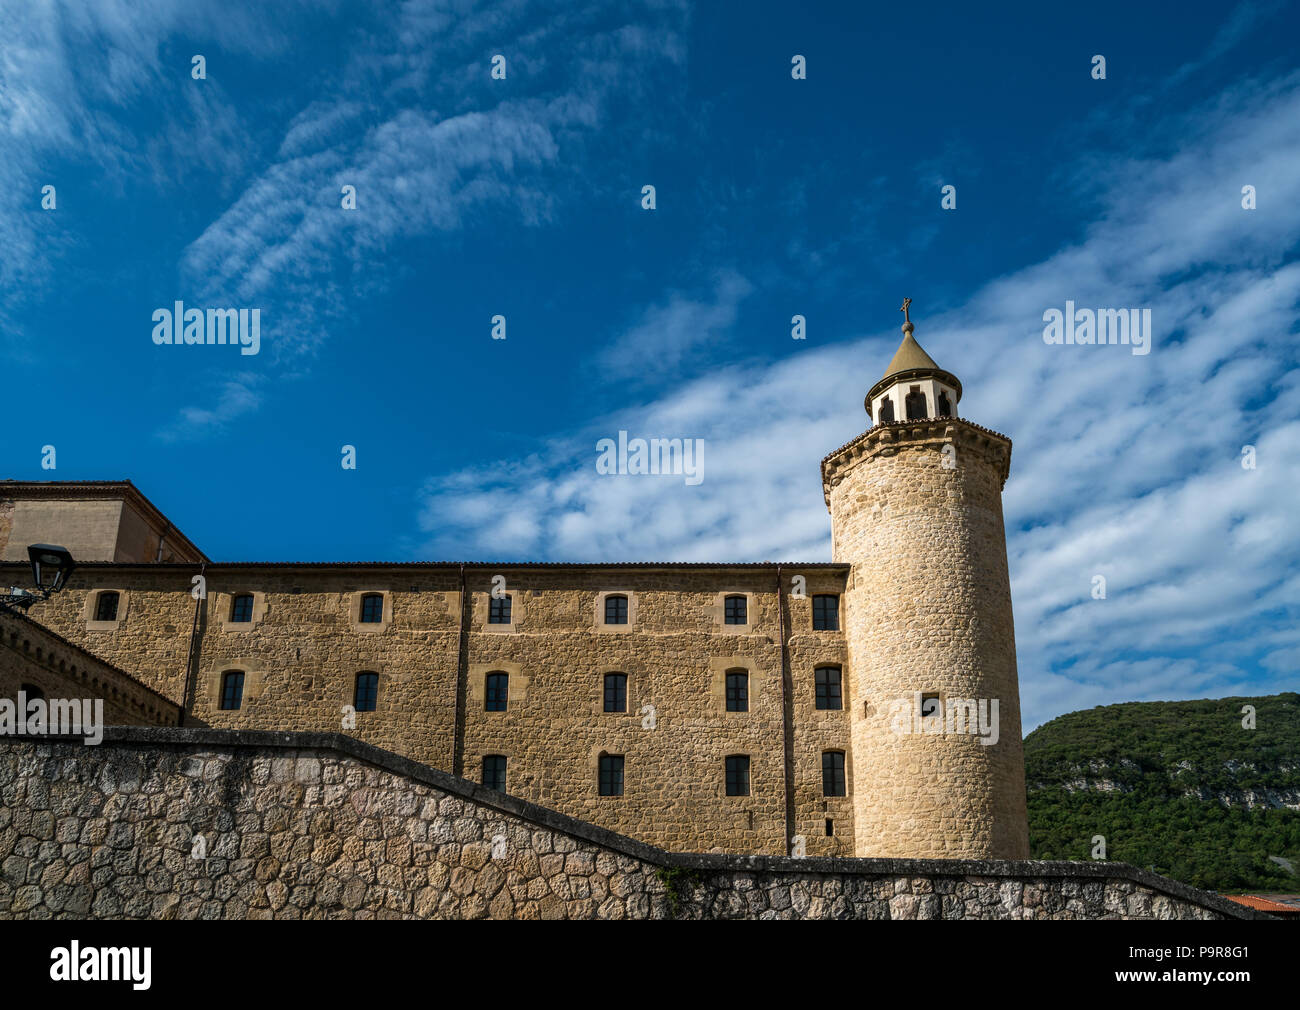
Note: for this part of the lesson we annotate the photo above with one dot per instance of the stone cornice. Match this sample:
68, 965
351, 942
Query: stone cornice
887, 439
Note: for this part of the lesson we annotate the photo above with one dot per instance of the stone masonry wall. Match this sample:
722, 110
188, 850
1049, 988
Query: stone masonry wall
304, 647
31, 654
190, 824
917, 510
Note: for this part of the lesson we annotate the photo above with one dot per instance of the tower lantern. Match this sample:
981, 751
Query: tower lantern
913, 387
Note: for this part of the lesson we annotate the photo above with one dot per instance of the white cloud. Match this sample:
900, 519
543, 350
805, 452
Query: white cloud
1124, 465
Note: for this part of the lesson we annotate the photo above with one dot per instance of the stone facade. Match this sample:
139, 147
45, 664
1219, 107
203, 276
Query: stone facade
917, 508
921, 588
188, 824
303, 648
31, 655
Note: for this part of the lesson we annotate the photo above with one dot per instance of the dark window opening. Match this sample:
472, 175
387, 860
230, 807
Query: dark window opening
945, 405
616, 610
616, 692
498, 692
826, 613
611, 775
829, 687
372, 609
106, 607
886, 411
737, 610
241, 609
832, 773
32, 692
232, 690
366, 696
915, 404
738, 775
494, 772
929, 704
830, 827
499, 610
737, 691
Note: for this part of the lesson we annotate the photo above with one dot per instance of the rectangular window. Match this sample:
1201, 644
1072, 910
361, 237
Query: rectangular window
241, 609
829, 688
832, 773
615, 692
232, 690
611, 775
497, 693
367, 692
494, 772
106, 607
738, 775
372, 609
499, 610
736, 610
616, 610
826, 613
738, 691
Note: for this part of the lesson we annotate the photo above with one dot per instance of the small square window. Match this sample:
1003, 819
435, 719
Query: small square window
616, 610
826, 613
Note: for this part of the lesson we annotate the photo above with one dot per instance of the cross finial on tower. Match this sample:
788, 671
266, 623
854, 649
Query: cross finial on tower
907, 319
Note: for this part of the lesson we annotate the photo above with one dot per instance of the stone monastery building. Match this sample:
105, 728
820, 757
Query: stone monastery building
865, 707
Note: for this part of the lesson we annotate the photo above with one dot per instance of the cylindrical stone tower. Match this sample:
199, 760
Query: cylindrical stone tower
916, 510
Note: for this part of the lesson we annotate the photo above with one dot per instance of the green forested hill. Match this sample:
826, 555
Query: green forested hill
1179, 786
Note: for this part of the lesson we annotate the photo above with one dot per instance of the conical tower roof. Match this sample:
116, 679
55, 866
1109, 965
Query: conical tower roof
909, 355
911, 362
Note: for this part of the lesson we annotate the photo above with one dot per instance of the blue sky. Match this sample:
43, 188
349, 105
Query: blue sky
821, 197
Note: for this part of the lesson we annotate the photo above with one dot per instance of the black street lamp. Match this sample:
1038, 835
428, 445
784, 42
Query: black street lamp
51, 567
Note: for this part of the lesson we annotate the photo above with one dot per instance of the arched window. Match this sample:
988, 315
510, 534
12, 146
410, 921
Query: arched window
372, 608
736, 610
498, 691
241, 609
616, 610
829, 687
945, 405
737, 691
611, 775
32, 692
106, 606
886, 411
833, 773
616, 692
494, 772
232, 689
366, 696
915, 404
499, 610
738, 775
826, 613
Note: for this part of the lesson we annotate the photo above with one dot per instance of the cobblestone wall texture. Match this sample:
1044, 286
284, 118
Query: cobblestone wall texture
191, 824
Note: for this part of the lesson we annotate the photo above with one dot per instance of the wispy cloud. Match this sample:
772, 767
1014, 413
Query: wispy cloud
1126, 466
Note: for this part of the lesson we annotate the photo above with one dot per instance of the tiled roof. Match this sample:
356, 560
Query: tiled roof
698, 565
1263, 904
